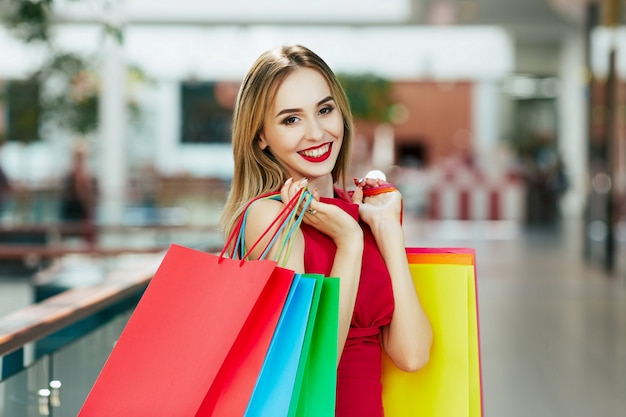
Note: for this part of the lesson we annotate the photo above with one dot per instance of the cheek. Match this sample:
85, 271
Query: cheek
340, 129
335, 127
280, 139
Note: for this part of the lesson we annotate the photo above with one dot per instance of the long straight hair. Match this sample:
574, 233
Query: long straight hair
257, 172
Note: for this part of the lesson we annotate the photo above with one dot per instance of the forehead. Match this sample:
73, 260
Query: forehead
302, 88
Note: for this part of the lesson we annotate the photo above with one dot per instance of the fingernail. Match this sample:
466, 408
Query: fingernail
304, 180
289, 180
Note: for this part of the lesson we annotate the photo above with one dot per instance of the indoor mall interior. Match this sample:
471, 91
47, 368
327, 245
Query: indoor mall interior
501, 122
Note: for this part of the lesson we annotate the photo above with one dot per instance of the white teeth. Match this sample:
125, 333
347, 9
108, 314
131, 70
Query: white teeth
316, 153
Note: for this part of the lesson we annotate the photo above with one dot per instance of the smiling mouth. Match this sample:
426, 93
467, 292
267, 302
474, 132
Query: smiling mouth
318, 154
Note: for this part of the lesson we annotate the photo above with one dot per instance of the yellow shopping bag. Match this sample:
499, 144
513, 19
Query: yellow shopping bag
450, 384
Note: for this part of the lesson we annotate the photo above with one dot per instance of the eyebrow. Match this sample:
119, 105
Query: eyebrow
319, 103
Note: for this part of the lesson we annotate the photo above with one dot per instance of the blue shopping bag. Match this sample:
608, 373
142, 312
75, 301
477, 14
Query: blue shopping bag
273, 391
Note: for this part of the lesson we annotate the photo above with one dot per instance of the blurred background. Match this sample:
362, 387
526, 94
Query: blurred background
503, 122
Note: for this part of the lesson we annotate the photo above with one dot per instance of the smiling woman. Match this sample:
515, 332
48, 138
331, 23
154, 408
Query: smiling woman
303, 133
292, 129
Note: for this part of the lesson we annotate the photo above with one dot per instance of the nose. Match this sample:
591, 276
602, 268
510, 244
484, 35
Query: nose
315, 130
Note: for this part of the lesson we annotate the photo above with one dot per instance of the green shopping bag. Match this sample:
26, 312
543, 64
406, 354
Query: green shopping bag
315, 389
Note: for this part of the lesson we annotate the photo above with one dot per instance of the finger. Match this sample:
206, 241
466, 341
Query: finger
366, 182
316, 194
312, 202
371, 182
299, 185
290, 189
284, 191
357, 195
296, 188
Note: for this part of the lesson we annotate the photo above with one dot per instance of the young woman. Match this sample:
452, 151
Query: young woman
292, 128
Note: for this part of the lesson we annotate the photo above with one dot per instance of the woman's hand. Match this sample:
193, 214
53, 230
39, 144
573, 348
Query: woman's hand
380, 208
329, 219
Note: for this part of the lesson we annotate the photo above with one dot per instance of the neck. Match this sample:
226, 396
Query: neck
324, 186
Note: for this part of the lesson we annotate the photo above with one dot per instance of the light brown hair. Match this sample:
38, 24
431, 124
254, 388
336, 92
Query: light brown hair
257, 172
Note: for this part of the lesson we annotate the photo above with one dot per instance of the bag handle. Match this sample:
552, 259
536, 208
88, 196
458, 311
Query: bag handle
239, 246
287, 219
237, 230
295, 220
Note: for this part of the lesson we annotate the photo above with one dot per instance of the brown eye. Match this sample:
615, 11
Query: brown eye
326, 110
290, 120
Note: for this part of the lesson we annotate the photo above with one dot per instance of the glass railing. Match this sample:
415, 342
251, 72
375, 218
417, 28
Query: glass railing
51, 352
57, 383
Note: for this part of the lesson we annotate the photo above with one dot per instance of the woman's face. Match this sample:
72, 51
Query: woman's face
303, 128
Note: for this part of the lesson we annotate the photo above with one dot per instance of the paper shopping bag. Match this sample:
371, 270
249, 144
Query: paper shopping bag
450, 384
200, 313
315, 390
273, 390
237, 376
306, 343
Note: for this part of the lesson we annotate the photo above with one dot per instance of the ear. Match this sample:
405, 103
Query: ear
262, 142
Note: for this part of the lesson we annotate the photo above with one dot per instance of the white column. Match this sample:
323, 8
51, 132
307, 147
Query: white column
485, 119
167, 155
572, 140
383, 148
113, 167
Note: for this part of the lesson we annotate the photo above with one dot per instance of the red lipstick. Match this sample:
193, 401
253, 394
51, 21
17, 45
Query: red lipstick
316, 153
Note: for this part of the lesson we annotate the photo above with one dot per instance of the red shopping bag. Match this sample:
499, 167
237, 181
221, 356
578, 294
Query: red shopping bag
199, 316
196, 342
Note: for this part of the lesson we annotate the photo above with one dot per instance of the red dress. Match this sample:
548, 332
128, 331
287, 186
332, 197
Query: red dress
359, 389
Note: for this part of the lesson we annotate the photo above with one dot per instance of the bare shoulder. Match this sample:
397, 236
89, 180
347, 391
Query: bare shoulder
264, 211
261, 214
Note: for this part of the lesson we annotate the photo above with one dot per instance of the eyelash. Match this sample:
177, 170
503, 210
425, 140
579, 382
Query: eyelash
324, 111
287, 122
329, 108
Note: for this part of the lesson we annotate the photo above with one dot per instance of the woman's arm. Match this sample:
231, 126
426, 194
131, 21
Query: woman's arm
330, 220
408, 338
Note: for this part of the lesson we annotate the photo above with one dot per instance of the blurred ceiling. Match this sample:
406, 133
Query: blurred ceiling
537, 27
518, 15
522, 17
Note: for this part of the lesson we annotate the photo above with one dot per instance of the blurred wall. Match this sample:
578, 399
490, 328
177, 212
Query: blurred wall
465, 64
